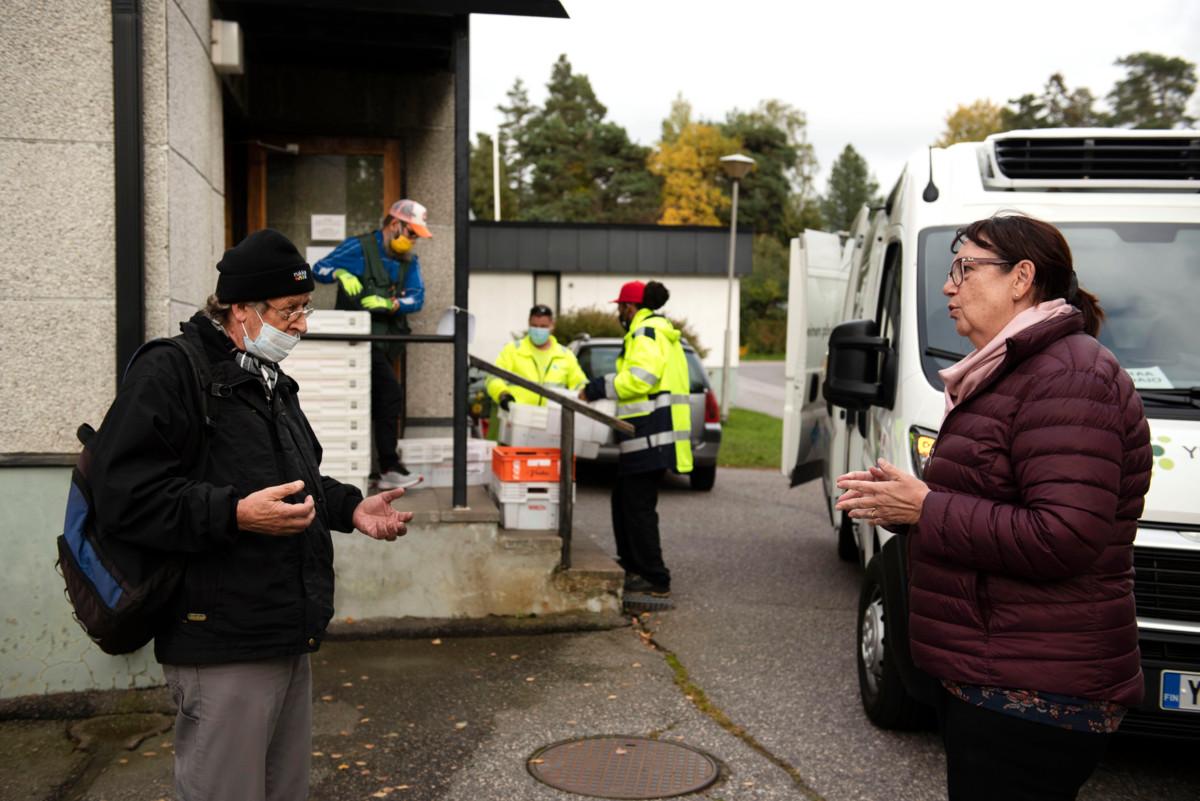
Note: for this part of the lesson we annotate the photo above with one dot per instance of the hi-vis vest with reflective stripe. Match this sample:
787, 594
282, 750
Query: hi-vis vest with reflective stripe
556, 368
652, 382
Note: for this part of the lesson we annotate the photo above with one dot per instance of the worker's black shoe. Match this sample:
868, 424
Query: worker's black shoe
637, 584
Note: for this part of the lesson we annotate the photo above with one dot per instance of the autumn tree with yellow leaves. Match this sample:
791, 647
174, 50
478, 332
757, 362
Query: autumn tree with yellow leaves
688, 160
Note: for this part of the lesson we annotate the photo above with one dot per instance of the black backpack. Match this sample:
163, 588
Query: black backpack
120, 592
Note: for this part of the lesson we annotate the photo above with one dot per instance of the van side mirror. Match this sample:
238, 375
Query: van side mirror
861, 370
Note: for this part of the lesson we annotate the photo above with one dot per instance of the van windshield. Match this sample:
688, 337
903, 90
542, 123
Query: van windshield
1147, 276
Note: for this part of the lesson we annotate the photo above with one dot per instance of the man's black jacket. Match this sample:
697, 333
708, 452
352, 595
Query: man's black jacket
244, 596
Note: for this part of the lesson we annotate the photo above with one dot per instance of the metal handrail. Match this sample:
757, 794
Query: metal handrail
566, 472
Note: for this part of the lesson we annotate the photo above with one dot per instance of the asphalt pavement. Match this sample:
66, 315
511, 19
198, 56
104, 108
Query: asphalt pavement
760, 387
754, 666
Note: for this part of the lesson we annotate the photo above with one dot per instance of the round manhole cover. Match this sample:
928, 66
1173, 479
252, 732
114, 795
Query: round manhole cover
623, 767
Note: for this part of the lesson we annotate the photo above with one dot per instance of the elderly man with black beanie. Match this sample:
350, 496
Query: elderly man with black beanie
238, 493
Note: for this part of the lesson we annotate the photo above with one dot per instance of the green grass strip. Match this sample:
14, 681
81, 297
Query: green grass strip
750, 439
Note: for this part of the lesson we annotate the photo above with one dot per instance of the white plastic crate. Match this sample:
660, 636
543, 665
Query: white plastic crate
541, 427
340, 387
356, 464
521, 491
441, 449
328, 321
318, 406
441, 474
345, 444
332, 425
534, 513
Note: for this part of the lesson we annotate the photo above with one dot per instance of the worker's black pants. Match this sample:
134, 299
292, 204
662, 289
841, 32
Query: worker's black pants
387, 404
635, 526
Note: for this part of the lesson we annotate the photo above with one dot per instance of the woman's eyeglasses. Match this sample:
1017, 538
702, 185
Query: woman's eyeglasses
963, 264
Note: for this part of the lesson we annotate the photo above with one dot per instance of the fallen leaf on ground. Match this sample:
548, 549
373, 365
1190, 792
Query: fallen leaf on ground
515, 656
149, 753
392, 734
636, 664
318, 753
530, 678
381, 794
123, 761
462, 724
360, 763
368, 746
365, 678
436, 642
347, 684
360, 707
365, 720
343, 766
536, 761
335, 756
612, 697
326, 698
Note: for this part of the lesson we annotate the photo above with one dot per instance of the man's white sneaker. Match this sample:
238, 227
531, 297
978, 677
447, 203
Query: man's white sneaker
393, 479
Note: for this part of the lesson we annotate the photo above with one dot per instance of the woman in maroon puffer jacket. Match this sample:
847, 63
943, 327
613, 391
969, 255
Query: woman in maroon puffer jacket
1021, 546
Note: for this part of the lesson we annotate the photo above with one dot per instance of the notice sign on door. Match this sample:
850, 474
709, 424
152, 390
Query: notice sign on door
328, 227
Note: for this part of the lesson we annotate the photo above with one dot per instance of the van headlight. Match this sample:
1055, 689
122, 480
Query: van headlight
920, 441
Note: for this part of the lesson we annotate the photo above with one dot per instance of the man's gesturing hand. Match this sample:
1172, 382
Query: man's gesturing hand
267, 511
376, 518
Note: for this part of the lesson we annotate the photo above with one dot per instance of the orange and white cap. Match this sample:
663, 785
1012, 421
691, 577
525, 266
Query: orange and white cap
414, 215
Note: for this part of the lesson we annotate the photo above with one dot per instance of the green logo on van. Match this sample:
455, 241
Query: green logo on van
1165, 462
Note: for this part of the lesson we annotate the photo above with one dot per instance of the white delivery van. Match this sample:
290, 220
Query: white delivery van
1128, 203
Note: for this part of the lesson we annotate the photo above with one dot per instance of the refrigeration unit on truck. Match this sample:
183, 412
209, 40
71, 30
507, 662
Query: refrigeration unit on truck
1128, 203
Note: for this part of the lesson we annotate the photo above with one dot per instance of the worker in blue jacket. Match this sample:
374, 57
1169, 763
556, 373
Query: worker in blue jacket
378, 272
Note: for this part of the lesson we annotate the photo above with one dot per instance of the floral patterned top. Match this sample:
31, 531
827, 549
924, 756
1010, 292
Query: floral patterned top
1064, 711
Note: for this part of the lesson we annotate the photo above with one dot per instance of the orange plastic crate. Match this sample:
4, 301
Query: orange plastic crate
511, 463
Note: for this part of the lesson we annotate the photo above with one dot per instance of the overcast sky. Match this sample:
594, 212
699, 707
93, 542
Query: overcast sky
879, 75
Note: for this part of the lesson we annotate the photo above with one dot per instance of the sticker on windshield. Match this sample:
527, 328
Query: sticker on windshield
1149, 378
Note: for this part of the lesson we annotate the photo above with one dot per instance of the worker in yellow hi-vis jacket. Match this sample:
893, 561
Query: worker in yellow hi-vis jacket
539, 357
651, 389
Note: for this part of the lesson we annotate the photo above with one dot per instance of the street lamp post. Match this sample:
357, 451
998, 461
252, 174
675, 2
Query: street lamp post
736, 167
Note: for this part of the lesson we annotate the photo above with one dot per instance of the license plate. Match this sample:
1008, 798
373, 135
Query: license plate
1180, 691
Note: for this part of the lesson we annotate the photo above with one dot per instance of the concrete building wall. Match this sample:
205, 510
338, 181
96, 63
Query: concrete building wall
56, 244
57, 301
429, 158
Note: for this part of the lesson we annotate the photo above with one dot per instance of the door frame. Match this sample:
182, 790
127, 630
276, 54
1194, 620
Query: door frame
258, 149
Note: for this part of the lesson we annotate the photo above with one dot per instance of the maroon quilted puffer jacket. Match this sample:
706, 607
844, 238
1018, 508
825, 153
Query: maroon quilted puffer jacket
1021, 566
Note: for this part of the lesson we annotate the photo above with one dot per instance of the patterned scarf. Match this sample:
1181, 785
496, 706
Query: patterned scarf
266, 372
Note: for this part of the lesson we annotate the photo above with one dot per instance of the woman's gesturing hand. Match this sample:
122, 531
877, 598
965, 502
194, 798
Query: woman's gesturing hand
883, 495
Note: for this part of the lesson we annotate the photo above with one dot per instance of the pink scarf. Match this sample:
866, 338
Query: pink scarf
966, 376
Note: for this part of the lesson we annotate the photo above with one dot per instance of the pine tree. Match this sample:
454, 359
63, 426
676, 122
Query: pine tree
850, 186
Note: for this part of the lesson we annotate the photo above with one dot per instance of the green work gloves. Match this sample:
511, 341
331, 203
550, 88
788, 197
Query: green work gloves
377, 303
349, 281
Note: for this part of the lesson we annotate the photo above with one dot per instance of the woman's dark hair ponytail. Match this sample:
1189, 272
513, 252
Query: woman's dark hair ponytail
654, 296
1089, 304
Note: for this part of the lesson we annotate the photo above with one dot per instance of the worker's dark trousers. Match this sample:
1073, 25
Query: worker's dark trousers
635, 526
387, 404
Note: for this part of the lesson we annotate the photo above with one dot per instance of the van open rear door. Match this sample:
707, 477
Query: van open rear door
817, 278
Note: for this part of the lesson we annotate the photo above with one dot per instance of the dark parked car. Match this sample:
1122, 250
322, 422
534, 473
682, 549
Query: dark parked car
598, 356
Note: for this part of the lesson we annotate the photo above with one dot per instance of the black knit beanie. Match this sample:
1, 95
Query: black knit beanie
263, 265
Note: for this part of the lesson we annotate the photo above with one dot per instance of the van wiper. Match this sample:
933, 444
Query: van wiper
949, 355
1179, 396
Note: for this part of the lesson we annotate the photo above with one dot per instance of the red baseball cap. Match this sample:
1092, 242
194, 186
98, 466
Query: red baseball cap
631, 292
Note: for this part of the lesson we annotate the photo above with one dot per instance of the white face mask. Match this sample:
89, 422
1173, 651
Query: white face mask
272, 345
